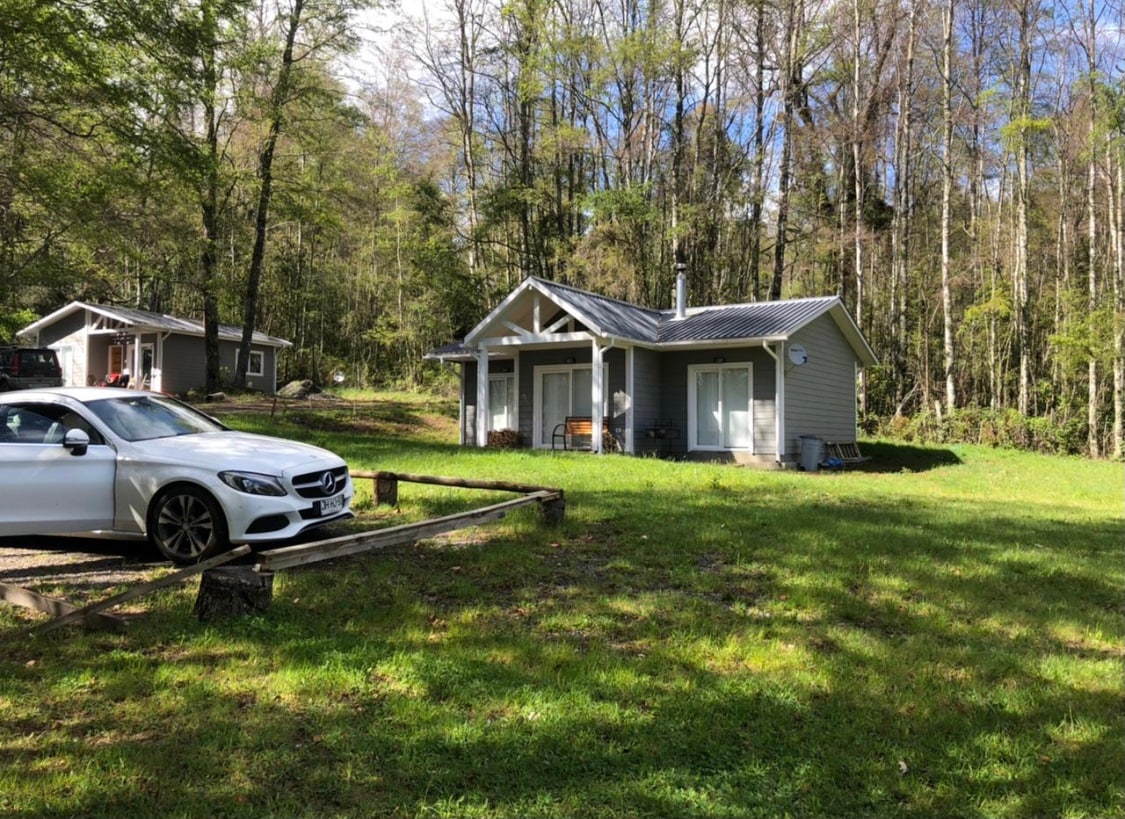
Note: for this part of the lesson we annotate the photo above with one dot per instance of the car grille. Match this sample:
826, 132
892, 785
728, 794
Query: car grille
270, 523
312, 484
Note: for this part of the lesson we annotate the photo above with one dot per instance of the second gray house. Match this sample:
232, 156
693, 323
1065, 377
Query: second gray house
161, 352
738, 382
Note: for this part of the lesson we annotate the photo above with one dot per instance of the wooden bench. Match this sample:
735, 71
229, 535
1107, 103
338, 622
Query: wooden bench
580, 427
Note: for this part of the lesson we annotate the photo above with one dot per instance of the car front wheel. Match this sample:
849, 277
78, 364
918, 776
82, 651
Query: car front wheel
187, 525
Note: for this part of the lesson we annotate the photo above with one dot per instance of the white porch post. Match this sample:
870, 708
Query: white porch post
779, 400
157, 382
462, 433
135, 368
482, 396
630, 391
597, 392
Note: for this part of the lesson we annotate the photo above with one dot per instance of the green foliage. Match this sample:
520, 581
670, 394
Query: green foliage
601, 137
12, 321
1005, 428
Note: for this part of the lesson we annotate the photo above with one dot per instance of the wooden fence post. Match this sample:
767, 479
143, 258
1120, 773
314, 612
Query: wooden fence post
386, 489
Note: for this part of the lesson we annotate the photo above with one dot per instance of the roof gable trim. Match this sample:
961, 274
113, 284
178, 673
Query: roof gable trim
518, 321
152, 322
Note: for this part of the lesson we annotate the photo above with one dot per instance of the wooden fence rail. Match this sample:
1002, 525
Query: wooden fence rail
386, 484
302, 554
551, 501
552, 504
78, 615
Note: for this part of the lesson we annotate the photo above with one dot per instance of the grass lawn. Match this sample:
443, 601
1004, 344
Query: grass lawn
940, 634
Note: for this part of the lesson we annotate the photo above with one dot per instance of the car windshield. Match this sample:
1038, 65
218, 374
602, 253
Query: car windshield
144, 416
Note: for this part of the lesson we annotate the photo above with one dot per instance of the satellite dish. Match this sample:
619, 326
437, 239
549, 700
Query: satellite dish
798, 355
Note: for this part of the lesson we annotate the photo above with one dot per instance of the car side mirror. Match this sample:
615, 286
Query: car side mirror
77, 441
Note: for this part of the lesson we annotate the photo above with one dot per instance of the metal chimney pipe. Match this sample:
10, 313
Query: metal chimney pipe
681, 290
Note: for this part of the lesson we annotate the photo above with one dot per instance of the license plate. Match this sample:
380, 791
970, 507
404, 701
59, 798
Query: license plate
330, 506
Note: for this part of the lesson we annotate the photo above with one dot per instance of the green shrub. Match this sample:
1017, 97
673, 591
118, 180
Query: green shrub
1003, 428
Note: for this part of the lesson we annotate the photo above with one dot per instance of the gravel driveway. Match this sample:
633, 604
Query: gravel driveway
84, 566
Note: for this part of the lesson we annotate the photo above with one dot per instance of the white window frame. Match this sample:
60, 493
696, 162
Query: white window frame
250, 371
512, 405
537, 412
693, 420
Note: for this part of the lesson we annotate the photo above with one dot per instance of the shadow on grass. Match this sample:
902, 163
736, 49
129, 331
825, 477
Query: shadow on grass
886, 456
762, 650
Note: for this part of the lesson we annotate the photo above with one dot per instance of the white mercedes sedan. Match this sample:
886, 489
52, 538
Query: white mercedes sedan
123, 462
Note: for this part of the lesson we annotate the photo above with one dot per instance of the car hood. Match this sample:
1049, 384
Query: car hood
244, 451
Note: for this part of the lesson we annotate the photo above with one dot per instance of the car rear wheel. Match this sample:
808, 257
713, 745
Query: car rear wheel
187, 525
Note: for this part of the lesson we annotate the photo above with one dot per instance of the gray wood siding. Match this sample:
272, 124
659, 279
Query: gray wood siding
184, 366
820, 397
70, 333
765, 403
616, 392
469, 401
647, 390
67, 326
674, 394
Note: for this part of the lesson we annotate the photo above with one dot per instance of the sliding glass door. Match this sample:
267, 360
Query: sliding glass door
561, 391
719, 407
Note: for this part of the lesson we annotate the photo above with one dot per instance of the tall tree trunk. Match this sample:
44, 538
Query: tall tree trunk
1021, 110
1116, 185
790, 89
678, 140
465, 100
1093, 440
949, 354
278, 99
857, 168
759, 175
902, 221
210, 287
209, 199
527, 46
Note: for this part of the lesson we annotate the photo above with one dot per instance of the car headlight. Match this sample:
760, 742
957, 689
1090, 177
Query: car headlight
252, 483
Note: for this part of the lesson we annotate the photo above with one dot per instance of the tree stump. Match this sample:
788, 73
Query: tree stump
551, 512
233, 591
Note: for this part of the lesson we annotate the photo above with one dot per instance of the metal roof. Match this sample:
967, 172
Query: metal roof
758, 320
753, 323
143, 320
737, 322
603, 315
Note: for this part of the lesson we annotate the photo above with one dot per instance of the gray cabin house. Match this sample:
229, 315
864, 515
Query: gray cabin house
740, 383
162, 353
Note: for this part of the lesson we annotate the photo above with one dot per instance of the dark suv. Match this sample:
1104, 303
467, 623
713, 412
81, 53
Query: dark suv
25, 367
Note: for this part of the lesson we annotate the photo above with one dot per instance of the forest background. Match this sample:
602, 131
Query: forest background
953, 169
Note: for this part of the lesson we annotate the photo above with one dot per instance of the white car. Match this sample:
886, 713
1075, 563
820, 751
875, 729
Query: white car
126, 462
